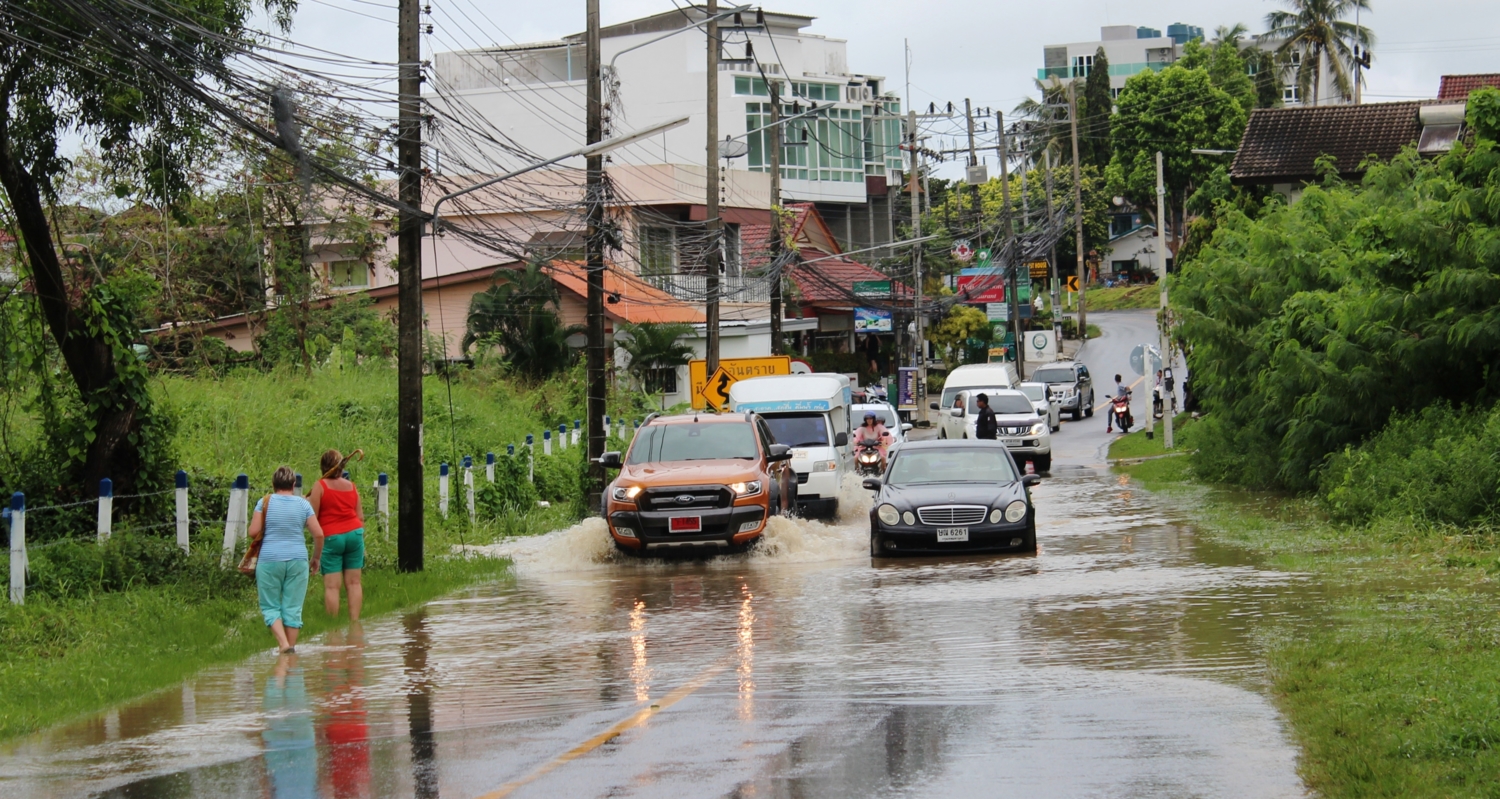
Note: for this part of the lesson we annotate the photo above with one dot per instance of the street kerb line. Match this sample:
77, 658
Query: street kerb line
640, 717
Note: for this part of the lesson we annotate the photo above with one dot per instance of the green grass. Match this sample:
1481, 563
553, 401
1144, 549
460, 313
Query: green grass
1391, 683
1136, 445
1123, 298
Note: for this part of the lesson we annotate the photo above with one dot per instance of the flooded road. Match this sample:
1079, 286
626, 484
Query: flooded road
1119, 661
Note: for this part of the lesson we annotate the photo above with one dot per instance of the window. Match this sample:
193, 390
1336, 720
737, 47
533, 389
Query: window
1114, 94
1082, 65
754, 87
1291, 94
657, 250
799, 429
348, 274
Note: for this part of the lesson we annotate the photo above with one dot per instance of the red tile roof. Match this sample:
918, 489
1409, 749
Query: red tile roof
1458, 87
1281, 145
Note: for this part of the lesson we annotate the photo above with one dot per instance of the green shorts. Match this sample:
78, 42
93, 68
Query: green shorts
343, 551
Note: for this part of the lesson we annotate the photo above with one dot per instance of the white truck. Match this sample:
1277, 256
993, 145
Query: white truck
965, 383
810, 414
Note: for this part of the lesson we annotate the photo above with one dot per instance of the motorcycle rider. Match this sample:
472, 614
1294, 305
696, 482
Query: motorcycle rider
985, 427
873, 433
1109, 418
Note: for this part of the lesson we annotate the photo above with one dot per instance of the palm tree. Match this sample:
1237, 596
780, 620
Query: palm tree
653, 346
1316, 31
519, 316
1231, 33
1043, 124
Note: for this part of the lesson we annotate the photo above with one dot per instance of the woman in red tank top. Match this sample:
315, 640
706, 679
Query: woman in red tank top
336, 501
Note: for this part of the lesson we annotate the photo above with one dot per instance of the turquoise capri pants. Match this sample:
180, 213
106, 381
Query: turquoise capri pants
282, 587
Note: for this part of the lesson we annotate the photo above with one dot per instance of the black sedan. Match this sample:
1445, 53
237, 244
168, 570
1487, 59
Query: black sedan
951, 497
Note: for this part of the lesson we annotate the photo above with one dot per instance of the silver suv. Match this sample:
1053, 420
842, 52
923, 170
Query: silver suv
1068, 383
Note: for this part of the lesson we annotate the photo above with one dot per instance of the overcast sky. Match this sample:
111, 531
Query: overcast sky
985, 50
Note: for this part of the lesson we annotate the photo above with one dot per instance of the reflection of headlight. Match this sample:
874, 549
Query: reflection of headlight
626, 493
746, 489
1015, 511
1039, 428
824, 466
888, 514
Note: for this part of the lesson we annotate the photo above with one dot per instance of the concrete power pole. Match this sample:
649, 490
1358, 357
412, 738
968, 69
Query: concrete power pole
595, 388
409, 518
973, 161
1052, 266
774, 134
712, 225
1083, 320
1161, 279
920, 349
1008, 247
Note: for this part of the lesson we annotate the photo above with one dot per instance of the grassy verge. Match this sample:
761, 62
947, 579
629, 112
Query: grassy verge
1394, 689
1124, 297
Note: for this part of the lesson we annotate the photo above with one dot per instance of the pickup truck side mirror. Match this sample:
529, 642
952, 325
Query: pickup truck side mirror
841, 439
872, 483
778, 452
611, 460
934, 406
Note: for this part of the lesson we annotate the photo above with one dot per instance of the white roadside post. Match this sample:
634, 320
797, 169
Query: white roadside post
546, 442
383, 501
18, 548
469, 486
443, 489
606, 427
577, 427
106, 508
234, 518
1161, 278
489, 466
181, 492
562, 436
531, 458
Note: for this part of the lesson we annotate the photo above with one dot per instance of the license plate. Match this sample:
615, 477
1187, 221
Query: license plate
1011, 442
953, 534
685, 524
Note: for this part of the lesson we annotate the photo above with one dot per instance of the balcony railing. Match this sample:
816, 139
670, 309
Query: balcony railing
1115, 70
732, 288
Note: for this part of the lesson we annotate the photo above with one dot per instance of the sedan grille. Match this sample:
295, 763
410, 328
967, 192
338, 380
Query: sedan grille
945, 515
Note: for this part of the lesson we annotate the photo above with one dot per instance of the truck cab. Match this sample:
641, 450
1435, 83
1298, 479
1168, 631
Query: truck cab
809, 414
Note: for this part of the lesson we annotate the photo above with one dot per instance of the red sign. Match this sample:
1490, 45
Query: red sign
981, 288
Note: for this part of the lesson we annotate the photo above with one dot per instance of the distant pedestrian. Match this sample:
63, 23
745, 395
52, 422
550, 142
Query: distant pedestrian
282, 570
985, 427
336, 501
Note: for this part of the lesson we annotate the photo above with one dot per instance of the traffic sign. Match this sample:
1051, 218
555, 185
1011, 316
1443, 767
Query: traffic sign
1070, 282
1145, 359
738, 368
716, 390
1038, 270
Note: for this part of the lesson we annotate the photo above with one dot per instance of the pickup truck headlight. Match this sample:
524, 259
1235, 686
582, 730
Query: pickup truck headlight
625, 493
748, 489
1015, 511
888, 514
1039, 428
825, 466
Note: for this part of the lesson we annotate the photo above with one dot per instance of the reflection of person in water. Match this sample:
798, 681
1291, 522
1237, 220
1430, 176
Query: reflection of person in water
346, 732
291, 756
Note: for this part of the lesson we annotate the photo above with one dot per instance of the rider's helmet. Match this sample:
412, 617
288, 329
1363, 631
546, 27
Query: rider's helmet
869, 415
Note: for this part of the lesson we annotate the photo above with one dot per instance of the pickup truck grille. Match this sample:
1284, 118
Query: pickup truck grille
685, 498
945, 515
1015, 431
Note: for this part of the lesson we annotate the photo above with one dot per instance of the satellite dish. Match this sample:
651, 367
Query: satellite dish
733, 148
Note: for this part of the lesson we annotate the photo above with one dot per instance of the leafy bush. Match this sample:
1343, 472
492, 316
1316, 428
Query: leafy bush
346, 323
511, 492
81, 568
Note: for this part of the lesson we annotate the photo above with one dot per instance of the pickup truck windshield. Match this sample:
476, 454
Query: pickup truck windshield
693, 442
951, 465
798, 429
1054, 376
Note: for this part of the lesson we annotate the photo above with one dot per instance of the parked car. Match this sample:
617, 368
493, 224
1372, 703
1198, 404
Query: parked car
1045, 404
697, 483
941, 497
888, 416
1069, 383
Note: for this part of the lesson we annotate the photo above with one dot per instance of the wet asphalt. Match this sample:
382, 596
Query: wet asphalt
1122, 660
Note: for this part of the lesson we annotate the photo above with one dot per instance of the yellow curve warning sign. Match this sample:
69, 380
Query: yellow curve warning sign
715, 393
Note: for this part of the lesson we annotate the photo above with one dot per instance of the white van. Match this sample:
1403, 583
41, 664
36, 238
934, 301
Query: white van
810, 414
969, 381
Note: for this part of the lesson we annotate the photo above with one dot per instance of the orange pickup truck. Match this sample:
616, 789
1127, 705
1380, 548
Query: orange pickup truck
698, 483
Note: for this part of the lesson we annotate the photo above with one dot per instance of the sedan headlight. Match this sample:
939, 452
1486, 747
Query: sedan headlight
1015, 511
996, 515
625, 493
825, 466
888, 514
908, 518
748, 489
1039, 428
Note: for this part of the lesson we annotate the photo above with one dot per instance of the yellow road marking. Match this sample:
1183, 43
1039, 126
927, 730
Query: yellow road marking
610, 734
1132, 386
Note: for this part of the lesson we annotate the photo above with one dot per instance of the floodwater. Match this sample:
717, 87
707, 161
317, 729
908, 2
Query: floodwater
1120, 661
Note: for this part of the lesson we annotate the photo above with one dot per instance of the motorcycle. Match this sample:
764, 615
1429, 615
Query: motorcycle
1120, 407
867, 461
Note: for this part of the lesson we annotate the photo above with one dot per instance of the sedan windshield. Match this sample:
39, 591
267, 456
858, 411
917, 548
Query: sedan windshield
799, 429
1036, 392
1053, 376
951, 465
693, 442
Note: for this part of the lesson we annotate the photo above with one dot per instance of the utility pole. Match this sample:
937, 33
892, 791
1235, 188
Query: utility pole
1161, 279
774, 134
916, 253
409, 515
1083, 320
973, 161
1009, 247
1052, 265
712, 224
596, 391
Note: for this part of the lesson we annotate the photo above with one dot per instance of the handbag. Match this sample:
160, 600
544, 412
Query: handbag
252, 552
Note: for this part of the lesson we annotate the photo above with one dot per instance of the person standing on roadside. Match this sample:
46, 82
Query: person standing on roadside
282, 570
336, 501
985, 427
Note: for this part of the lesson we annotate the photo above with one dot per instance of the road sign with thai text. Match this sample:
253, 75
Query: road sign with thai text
738, 369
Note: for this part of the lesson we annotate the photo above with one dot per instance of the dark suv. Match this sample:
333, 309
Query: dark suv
1069, 384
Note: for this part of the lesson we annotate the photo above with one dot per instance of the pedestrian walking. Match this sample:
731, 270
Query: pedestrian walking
282, 571
336, 501
985, 427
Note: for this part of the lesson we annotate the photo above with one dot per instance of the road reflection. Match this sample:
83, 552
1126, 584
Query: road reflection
421, 730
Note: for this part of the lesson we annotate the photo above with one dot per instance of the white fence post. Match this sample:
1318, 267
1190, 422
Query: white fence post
443, 489
577, 428
562, 435
546, 442
106, 508
489, 466
383, 501
530, 459
18, 548
606, 428
234, 518
469, 486
182, 509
